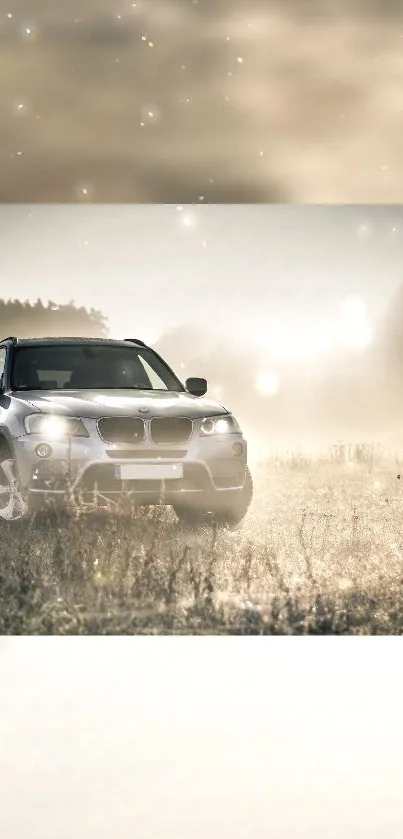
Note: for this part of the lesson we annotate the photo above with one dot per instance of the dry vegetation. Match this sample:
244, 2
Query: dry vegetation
320, 553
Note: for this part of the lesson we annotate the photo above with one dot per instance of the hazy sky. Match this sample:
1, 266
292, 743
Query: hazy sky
200, 738
170, 100
242, 268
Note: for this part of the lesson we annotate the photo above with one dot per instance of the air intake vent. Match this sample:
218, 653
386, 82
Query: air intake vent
171, 430
115, 430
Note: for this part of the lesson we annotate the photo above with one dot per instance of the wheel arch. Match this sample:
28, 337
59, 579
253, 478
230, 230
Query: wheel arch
6, 441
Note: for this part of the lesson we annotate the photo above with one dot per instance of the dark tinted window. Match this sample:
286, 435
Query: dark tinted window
86, 367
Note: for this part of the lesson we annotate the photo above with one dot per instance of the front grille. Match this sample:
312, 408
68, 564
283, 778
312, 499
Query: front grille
121, 429
170, 430
102, 477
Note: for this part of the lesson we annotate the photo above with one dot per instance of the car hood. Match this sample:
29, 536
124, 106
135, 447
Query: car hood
94, 404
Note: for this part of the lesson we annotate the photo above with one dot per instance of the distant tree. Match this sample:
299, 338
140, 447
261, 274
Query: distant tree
34, 320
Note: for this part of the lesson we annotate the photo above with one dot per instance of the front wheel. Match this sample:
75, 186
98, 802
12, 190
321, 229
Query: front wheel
227, 512
13, 504
231, 513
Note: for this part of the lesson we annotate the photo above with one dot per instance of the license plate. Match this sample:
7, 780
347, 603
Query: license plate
149, 471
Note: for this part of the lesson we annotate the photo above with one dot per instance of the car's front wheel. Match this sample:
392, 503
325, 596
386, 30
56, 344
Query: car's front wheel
13, 503
226, 509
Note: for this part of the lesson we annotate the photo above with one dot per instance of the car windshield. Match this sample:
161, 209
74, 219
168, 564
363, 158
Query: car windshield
90, 367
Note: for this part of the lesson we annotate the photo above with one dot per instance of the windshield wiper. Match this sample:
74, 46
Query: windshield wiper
25, 387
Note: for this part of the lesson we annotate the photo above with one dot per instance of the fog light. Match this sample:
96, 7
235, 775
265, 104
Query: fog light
43, 450
237, 448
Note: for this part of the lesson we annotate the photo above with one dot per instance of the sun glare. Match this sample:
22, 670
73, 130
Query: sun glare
356, 331
358, 337
312, 341
267, 384
187, 219
353, 309
300, 345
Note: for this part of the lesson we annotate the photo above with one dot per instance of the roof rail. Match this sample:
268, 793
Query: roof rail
136, 341
11, 338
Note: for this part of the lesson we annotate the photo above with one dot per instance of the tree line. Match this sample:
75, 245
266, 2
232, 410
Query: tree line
25, 319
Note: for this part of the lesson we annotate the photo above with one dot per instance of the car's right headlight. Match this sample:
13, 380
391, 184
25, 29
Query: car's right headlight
222, 424
55, 427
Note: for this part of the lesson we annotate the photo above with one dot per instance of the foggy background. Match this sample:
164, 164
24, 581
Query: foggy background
293, 314
199, 100
132, 737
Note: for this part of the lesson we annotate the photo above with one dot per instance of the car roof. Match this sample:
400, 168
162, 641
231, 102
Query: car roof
53, 341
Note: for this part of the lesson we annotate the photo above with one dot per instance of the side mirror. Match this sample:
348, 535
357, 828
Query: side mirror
196, 387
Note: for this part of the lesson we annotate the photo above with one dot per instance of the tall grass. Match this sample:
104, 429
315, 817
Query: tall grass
320, 552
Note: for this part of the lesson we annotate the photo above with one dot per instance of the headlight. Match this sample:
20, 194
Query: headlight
226, 424
55, 427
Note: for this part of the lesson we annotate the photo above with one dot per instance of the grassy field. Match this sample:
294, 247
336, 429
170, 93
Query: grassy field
321, 552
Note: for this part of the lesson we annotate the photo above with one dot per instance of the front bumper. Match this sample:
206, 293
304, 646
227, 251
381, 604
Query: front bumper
86, 469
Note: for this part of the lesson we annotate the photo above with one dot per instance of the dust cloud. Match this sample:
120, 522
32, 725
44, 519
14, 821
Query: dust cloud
191, 100
350, 397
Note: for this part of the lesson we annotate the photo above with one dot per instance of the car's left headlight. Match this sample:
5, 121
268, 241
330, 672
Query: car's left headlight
55, 427
223, 424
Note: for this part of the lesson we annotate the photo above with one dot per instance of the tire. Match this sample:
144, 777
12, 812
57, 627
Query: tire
191, 517
232, 513
226, 513
13, 502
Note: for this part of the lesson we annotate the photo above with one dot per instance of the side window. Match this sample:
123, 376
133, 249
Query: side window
2, 360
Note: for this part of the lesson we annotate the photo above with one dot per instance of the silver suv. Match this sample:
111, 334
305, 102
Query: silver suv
91, 422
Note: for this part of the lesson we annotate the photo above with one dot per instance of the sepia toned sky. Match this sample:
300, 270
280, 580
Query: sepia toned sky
194, 100
231, 740
237, 270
